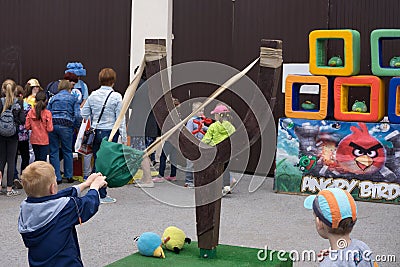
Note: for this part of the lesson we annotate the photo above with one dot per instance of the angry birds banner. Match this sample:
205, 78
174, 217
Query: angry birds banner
362, 158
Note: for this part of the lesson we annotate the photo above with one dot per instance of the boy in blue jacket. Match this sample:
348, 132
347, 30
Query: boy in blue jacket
47, 217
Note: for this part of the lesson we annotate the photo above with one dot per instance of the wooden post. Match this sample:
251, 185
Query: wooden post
208, 194
156, 62
268, 79
269, 74
207, 198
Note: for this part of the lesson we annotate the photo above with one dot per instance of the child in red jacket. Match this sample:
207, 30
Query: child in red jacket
39, 120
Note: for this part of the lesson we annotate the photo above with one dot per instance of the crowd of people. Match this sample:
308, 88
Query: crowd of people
40, 124
46, 122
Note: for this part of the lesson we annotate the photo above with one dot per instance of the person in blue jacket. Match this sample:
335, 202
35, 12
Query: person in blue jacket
64, 108
48, 218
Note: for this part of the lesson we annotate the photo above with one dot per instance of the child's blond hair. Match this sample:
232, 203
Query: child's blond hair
37, 178
64, 85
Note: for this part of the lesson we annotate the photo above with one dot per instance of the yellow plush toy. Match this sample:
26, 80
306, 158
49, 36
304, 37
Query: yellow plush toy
174, 239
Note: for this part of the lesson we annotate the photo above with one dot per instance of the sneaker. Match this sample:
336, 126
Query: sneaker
158, 180
226, 190
70, 180
170, 178
189, 185
107, 200
144, 185
17, 184
13, 193
59, 182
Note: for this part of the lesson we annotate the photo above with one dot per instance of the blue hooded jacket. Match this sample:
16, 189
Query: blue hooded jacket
47, 225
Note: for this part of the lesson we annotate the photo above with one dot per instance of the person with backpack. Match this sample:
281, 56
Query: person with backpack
12, 115
52, 88
66, 115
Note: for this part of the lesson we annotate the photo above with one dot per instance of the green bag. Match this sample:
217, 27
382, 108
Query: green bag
118, 162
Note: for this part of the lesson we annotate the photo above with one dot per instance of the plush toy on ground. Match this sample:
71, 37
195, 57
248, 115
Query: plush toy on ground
174, 239
149, 244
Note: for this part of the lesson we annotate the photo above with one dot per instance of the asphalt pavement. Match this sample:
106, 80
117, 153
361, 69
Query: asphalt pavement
256, 219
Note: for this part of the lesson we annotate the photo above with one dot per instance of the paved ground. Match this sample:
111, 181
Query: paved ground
258, 219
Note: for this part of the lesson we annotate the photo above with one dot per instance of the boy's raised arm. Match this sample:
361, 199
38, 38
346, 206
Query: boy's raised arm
94, 181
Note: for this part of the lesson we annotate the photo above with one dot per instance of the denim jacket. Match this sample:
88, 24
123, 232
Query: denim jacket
94, 104
65, 106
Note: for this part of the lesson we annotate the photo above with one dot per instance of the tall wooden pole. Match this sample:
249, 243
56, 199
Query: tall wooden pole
208, 198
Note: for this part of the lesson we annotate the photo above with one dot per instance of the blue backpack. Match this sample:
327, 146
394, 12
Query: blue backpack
7, 124
52, 89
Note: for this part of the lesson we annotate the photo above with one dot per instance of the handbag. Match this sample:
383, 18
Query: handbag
88, 136
87, 133
81, 139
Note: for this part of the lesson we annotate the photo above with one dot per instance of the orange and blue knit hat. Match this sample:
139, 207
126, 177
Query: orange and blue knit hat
332, 205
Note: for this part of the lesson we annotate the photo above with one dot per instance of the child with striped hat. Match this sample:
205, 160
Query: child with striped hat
335, 215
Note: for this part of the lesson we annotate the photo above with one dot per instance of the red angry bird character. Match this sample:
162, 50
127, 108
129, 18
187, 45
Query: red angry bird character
360, 153
200, 124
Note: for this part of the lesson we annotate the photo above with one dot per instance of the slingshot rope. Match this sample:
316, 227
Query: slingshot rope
153, 147
129, 94
152, 52
270, 57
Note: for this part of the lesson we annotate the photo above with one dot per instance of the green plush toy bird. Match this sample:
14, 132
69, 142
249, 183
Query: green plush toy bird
174, 239
335, 61
395, 62
359, 106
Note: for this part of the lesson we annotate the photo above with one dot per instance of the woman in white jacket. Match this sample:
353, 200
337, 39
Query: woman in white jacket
106, 99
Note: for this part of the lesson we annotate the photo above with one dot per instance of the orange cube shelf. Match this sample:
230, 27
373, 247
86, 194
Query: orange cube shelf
341, 98
292, 91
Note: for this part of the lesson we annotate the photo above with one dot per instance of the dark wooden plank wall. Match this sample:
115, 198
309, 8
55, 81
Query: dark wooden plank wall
40, 36
195, 26
200, 27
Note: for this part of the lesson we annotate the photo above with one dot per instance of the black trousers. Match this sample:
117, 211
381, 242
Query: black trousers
226, 176
23, 148
8, 148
